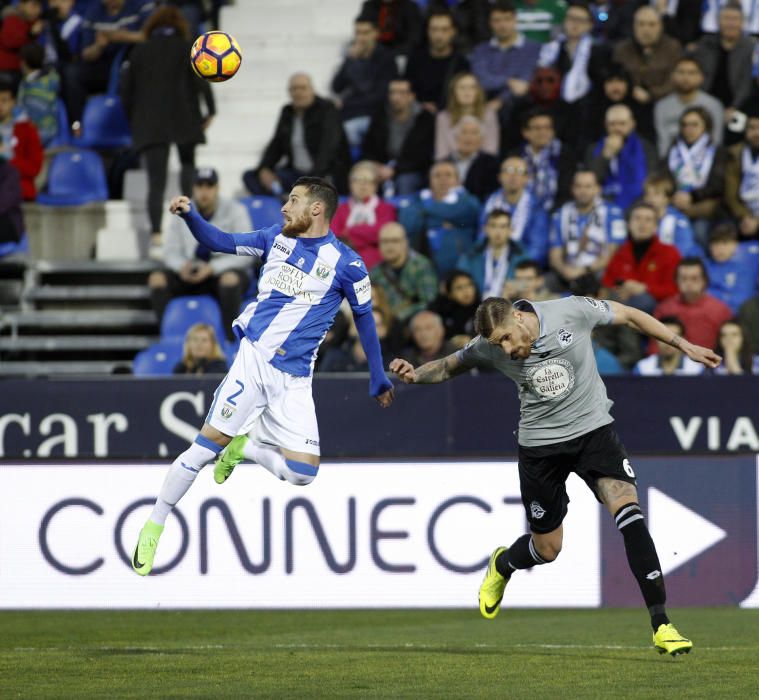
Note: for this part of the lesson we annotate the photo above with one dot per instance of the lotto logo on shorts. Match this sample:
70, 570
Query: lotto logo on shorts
227, 411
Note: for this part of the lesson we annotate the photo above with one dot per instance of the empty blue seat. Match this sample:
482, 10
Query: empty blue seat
158, 359
264, 211
75, 177
15, 247
183, 312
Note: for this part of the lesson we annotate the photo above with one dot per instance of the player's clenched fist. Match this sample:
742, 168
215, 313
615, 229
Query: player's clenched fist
179, 205
404, 370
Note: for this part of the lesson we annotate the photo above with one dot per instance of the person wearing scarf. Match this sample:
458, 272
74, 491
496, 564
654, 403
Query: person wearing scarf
742, 175
529, 221
622, 159
674, 227
493, 261
358, 221
698, 168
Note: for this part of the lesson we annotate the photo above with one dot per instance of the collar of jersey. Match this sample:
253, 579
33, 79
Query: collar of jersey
315, 241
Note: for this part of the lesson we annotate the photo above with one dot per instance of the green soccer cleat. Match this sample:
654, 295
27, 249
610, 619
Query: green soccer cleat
492, 587
229, 459
667, 640
144, 552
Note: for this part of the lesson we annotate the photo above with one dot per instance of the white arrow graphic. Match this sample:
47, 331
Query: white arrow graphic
678, 532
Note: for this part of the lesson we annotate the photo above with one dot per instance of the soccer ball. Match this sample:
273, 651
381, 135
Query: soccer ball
215, 56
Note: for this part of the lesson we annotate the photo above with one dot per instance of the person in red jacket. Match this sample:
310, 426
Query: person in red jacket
19, 25
642, 271
358, 221
19, 142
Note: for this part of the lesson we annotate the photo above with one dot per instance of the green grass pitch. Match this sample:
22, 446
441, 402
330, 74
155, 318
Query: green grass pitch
531, 654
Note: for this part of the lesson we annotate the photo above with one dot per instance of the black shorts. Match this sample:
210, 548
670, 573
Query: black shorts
543, 471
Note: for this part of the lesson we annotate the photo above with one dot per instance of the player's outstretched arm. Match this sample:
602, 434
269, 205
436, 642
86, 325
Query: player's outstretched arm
380, 387
429, 373
648, 325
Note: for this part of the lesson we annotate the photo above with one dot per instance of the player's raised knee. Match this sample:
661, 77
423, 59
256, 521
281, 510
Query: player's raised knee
300, 473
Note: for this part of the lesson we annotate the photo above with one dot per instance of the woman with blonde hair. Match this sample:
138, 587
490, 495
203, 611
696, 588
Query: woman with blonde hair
358, 221
202, 353
465, 98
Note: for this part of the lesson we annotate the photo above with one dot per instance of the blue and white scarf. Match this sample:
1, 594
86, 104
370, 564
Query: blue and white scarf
576, 83
543, 169
749, 189
691, 165
520, 212
584, 243
495, 273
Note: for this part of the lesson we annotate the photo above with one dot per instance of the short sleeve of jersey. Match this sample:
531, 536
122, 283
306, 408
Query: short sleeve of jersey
356, 284
596, 312
474, 353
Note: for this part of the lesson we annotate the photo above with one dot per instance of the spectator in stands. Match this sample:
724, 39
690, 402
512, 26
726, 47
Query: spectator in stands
697, 166
19, 142
606, 362
202, 352
642, 271
431, 67
584, 235
673, 226
540, 20
687, 79
407, 277
350, 355
161, 97
396, 329
682, 19
733, 267
649, 56
735, 349
727, 59
505, 64
360, 84
20, 25
528, 283
39, 91
400, 140
428, 339
742, 177
11, 217
748, 315
478, 171
471, 17
442, 219
550, 163
622, 159
701, 312
668, 360
529, 220
191, 268
456, 305
574, 54
109, 28
399, 23
494, 259
358, 220
308, 140
465, 98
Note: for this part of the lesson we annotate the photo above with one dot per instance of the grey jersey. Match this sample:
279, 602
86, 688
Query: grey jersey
560, 391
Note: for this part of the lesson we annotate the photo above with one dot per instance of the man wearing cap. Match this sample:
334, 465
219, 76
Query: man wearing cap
191, 268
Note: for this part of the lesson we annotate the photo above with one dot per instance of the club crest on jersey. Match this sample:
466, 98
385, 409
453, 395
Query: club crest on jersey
227, 411
537, 510
322, 271
564, 337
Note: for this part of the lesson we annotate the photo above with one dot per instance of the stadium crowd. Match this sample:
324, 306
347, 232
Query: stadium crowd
529, 149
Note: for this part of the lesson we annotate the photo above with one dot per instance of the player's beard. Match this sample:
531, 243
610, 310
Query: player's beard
294, 227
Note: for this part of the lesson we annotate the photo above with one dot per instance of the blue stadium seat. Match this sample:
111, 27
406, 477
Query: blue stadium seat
75, 177
183, 312
104, 123
158, 359
400, 200
264, 211
63, 137
15, 248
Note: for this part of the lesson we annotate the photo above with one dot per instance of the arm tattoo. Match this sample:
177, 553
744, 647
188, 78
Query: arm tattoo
439, 370
676, 341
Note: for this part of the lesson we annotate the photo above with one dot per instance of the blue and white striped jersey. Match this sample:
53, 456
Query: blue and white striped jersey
301, 286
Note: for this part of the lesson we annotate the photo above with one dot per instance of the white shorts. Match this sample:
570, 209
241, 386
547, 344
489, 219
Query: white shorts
275, 407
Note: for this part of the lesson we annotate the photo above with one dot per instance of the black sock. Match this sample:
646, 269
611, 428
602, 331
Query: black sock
643, 560
521, 555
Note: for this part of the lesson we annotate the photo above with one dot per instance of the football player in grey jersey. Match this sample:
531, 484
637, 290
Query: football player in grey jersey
565, 426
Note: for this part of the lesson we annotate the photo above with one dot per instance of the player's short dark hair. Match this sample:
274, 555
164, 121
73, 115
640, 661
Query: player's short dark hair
529, 265
693, 261
724, 232
673, 321
320, 189
505, 6
497, 213
493, 312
